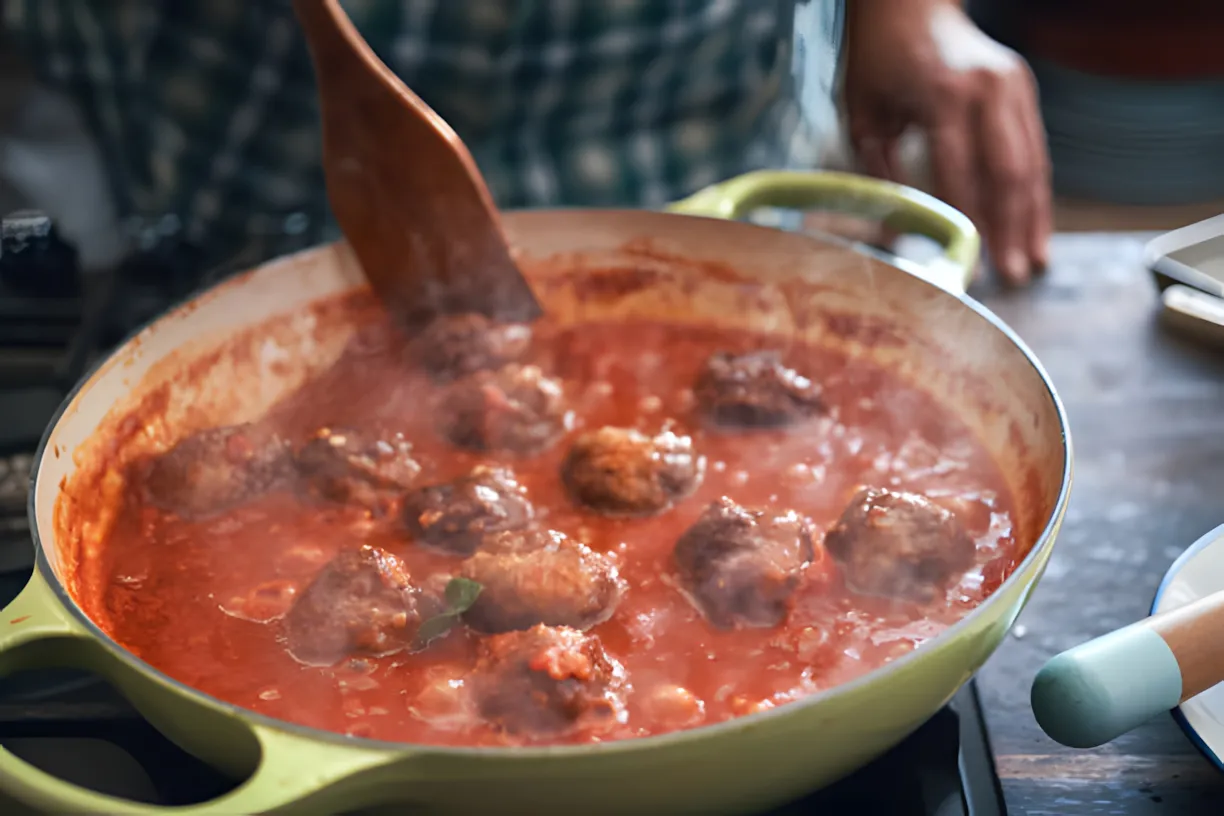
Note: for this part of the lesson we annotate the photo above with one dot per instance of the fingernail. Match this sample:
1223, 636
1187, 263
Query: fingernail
1015, 265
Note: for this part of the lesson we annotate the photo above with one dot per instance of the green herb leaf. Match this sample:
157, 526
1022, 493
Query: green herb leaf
461, 593
435, 627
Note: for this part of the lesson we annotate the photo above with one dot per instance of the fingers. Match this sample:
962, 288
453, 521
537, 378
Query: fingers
1042, 225
1009, 176
953, 164
988, 158
877, 157
874, 139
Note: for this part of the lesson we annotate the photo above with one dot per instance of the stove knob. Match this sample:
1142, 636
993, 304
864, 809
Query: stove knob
33, 260
24, 231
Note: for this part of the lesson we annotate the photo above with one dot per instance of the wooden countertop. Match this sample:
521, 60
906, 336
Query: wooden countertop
1147, 422
1074, 215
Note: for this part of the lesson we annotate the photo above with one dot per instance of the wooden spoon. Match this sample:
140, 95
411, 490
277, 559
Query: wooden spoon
1099, 690
403, 187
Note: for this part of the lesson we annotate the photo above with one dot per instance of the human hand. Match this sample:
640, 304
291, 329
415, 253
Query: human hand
923, 64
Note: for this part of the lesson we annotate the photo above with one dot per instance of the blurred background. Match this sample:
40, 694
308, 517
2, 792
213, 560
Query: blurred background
1132, 93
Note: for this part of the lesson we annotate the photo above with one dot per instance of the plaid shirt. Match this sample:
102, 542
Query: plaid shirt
206, 113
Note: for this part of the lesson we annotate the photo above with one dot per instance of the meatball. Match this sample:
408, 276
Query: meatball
457, 515
741, 566
899, 545
516, 409
548, 680
620, 471
452, 346
216, 469
362, 602
540, 576
358, 467
754, 391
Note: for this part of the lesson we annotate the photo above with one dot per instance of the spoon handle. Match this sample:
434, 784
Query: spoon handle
403, 188
336, 42
1099, 690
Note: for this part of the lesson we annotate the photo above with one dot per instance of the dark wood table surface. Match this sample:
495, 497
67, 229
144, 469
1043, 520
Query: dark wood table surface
1147, 425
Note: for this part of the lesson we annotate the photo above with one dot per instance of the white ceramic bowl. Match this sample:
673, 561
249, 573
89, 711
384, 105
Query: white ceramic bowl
1197, 572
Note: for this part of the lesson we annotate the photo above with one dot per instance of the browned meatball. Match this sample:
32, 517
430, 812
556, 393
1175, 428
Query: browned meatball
452, 346
516, 409
370, 469
741, 566
899, 545
362, 602
520, 541
754, 391
548, 680
540, 576
457, 515
620, 471
216, 469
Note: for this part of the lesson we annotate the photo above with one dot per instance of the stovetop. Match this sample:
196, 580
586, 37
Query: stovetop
53, 326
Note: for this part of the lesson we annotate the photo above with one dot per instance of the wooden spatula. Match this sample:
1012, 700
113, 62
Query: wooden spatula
403, 187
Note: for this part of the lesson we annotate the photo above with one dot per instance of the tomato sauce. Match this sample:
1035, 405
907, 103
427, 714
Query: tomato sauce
202, 601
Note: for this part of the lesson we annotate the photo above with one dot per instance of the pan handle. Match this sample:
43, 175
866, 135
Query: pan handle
898, 207
288, 772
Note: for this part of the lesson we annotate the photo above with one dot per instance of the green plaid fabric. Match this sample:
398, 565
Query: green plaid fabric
206, 110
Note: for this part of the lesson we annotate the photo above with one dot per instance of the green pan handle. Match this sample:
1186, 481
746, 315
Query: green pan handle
292, 773
898, 207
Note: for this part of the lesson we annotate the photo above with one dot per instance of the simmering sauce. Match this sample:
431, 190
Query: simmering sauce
203, 599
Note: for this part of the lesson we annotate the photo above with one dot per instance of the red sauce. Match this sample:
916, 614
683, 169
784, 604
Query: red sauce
200, 600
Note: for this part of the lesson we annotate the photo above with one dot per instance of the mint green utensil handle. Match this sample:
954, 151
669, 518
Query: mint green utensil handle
291, 773
1096, 692
1099, 690
898, 207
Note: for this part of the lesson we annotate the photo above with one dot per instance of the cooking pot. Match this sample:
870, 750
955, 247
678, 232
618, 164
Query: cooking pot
913, 320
